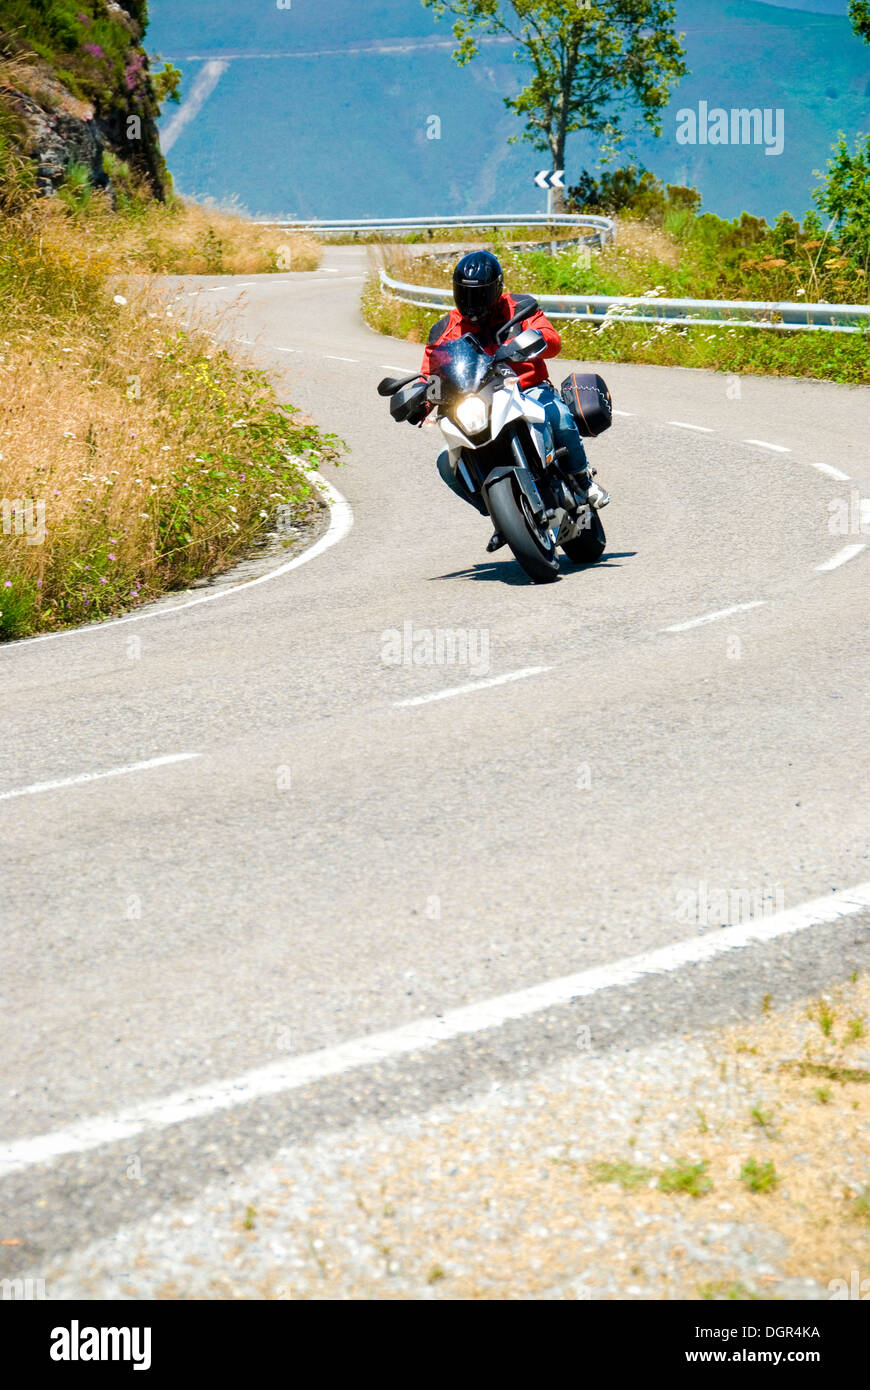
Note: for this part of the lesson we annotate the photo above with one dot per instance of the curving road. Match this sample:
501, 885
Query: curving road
303, 844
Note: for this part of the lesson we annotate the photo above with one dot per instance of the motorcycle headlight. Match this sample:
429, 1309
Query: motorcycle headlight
472, 414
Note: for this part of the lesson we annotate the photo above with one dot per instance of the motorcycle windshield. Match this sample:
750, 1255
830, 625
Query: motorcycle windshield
462, 365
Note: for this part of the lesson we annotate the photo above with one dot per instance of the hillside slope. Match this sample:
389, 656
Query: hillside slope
75, 80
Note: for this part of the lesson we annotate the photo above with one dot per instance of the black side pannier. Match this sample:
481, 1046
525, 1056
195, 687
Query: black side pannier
588, 399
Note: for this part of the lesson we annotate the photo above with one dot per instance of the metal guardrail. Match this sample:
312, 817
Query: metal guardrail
699, 313
603, 229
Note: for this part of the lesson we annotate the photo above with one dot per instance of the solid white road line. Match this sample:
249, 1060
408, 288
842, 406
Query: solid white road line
83, 777
831, 472
681, 425
712, 617
340, 523
475, 685
762, 444
291, 1073
842, 557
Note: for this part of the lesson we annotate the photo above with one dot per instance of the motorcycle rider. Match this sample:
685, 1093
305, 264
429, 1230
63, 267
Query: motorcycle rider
481, 308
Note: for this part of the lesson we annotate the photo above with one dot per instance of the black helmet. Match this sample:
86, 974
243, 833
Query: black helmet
478, 284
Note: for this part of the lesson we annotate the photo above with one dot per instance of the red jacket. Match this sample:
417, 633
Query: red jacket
453, 325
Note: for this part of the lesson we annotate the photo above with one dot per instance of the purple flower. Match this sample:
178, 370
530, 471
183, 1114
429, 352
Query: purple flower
113, 557
94, 50
104, 581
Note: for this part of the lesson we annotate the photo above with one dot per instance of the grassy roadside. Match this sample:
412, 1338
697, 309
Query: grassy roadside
135, 456
684, 256
176, 237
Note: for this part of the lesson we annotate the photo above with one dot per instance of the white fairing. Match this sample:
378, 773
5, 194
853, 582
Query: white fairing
507, 403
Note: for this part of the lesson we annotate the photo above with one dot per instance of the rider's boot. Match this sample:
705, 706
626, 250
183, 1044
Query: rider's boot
587, 491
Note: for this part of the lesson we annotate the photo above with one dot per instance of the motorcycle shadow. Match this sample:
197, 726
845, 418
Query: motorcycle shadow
508, 571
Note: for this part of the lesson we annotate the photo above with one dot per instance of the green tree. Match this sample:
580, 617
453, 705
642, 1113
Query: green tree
859, 13
845, 197
593, 62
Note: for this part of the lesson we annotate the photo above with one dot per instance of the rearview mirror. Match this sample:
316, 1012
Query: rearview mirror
391, 384
526, 305
526, 345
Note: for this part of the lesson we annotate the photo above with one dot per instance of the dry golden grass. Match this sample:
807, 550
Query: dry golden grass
155, 455
644, 241
176, 238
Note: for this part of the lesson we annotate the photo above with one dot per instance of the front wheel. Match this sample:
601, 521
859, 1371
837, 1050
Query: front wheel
588, 545
533, 547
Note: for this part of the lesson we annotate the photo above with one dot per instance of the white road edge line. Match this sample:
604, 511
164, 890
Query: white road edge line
291, 1073
627, 413
475, 685
681, 425
831, 472
340, 523
762, 444
842, 557
36, 787
712, 617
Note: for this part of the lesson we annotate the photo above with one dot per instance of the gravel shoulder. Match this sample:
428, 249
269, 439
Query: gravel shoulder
732, 1164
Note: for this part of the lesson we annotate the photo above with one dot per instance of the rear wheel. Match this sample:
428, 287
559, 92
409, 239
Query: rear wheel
532, 545
589, 544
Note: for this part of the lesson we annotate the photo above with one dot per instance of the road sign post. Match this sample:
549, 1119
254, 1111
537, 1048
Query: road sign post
550, 179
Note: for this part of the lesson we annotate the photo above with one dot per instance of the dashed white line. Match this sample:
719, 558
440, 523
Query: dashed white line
762, 444
37, 787
292, 1073
681, 425
830, 471
331, 357
475, 685
713, 617
626, 413
842, 557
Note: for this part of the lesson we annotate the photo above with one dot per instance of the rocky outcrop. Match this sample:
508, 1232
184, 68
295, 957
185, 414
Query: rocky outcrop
116, 108
57, 138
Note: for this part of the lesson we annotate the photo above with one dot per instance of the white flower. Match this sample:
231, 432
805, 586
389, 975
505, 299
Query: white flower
239, 425
119, 299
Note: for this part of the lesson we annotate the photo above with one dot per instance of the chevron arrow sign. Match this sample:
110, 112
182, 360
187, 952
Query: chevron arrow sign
550, 178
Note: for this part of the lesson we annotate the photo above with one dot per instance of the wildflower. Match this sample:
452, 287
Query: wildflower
113, 557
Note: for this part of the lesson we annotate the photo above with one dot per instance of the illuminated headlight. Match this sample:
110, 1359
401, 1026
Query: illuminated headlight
472, 414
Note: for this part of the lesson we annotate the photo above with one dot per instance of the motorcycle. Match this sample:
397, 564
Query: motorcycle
502, 446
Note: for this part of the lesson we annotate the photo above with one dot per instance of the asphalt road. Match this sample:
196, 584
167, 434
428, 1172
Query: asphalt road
330, 862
